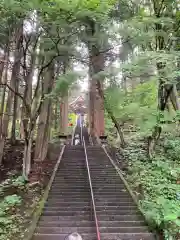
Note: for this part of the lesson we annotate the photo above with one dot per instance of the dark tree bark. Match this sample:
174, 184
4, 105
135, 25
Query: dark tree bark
96, 65
11, 94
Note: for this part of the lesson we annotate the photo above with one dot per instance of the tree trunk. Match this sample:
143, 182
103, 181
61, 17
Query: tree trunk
56, 107
91, 120
44, 117
22, 134
97, 98
97, 62
42, 131
45, 135
164, 93
5, 122
4, 61
28, 87
4, 81
11, 94
56, 117
27, 122
27, 156
13, 130
164, 90
15, 78
64, 115
111, 115
174, 98
96, 65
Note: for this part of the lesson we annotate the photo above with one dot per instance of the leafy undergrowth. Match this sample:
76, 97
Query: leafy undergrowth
156, 184
17, 200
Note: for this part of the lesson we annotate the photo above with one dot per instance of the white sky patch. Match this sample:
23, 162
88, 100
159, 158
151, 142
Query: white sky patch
30, 24
84, 80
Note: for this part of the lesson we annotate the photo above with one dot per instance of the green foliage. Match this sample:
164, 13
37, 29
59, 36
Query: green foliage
157, 183
4, 221
164, 213
12, 200
110, 130
137, 107
13, 208
4, 224
7, 220
19, 182
172, 148
64, 83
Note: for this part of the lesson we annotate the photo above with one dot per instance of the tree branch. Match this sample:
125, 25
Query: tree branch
161, 7
19, 95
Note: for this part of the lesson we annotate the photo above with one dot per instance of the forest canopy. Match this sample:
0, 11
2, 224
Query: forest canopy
130, 52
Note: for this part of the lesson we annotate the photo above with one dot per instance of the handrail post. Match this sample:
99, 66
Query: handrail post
92, 194
81, 132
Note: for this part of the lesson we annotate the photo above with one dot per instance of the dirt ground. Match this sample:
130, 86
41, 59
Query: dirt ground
12, 159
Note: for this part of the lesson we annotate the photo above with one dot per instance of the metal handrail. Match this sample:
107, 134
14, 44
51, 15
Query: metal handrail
73, 133
81, 134
120, 173
92, 194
